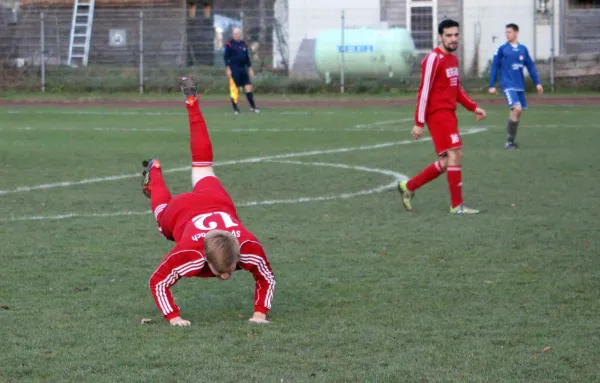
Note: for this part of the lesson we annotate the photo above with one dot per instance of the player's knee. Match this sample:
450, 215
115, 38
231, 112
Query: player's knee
199, 173
454, 156
516, 111
248, 88
443, 163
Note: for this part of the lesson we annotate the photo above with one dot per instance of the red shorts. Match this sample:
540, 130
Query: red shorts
208, 195
443, 127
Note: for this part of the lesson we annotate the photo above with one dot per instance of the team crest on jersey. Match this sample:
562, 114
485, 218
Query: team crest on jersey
452, 72
521, 58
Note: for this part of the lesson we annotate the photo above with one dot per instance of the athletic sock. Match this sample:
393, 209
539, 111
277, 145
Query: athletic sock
454, 174
428, 174
200, 145
235, 107
512, 130
160, 195
250, 98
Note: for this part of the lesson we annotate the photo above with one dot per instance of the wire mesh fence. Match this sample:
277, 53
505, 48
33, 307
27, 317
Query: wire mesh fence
292, 48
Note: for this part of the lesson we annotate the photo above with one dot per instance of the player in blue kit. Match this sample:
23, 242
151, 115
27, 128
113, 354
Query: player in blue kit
509, 60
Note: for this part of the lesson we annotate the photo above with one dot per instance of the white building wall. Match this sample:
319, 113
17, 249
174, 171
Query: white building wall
543, 34
307, 18
483, 28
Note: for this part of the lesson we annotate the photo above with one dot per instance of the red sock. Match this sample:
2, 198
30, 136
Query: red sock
428, 174
455, 184
200, 145
160, 194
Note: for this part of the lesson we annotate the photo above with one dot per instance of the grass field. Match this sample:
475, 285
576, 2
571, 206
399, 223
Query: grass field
366, 292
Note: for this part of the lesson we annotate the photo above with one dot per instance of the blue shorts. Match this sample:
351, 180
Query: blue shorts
515, 97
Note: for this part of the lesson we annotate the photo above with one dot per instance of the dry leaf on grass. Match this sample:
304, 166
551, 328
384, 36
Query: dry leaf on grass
4, 307
146, 321
534, 356
546, 349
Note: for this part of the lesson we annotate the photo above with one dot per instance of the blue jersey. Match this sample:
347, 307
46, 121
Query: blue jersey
509, 60
236, 55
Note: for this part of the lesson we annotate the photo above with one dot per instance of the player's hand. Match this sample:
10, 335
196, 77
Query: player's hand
540, 89
259, 318
492, 90
250, 72
479, 114
228, 71
179, 321
417, 132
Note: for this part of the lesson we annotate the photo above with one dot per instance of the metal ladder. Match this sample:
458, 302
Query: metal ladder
81, 32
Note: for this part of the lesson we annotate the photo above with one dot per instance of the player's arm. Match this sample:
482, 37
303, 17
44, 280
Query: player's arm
227, 58
179, 263
428, 69
466, 101
496, 64
254, 260
530, 65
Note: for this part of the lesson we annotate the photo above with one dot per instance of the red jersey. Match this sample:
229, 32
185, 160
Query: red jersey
187, 260
440, 86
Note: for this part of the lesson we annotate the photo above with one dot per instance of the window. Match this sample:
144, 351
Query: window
584, 3
421, 20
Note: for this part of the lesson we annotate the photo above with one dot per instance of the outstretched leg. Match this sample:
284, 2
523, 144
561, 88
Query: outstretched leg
200, 145
156, 189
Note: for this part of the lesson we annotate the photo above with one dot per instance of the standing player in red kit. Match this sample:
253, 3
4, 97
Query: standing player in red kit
436, 106
210, 239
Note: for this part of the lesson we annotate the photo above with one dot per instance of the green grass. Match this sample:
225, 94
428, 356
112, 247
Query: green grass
365, 291
401, 94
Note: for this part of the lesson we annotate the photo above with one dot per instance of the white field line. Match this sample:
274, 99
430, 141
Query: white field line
396, 177
375, 127
171, 130
23, 189
76, 112
359, 127
380, 123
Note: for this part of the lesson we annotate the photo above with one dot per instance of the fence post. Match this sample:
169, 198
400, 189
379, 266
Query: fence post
42, 56
552, 51
242, 22
535, 18
343, 51
141, 52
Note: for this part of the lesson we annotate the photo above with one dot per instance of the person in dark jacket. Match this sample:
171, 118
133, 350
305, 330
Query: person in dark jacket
239, 68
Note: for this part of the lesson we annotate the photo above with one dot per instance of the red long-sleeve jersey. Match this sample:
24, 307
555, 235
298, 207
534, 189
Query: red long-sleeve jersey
440, 86
187, 260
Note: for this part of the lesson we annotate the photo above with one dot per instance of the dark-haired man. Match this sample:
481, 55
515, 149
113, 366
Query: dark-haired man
439, 91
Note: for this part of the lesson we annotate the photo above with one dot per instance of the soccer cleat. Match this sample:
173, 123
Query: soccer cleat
189, 88
462, 209
406, 195
236, 112
511, 145
148, 164
254, 110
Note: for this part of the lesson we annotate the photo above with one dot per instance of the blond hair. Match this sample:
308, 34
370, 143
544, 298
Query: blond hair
222, 250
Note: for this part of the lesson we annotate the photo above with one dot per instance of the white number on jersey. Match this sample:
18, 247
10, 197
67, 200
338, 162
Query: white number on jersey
201, 222
454, 138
